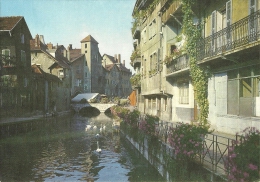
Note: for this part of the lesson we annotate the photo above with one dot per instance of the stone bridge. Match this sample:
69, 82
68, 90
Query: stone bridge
100, 106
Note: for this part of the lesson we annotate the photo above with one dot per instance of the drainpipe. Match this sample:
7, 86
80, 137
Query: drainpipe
46, 97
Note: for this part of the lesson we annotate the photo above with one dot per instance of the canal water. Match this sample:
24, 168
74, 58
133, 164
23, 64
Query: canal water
65, 149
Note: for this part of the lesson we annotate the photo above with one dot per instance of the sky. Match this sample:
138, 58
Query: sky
67, 22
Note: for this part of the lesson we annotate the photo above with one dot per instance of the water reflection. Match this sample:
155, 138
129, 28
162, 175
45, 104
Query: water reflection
65, 149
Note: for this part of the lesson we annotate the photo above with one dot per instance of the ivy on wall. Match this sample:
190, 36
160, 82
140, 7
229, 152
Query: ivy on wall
198, 75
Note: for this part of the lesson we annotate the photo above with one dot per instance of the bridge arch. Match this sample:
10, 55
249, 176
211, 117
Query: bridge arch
100, 106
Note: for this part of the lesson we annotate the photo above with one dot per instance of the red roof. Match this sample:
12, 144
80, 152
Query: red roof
89, 38
9, 22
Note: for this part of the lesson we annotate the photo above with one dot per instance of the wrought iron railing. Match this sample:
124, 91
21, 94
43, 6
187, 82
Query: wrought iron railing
178, 63
215, 148
7, 61
240, 33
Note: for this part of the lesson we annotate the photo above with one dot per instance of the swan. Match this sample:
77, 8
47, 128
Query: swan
98, 149
95, 127
88, 127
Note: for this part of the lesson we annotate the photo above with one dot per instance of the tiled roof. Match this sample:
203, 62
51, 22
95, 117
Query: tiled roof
109, 66
41, 74
9, 22
74, 54
123, 68
40, 45
111, 58
89, 38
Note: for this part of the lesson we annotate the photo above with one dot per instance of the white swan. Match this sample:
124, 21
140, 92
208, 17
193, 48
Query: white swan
98, 149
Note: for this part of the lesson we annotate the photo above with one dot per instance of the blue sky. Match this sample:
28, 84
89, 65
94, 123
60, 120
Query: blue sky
69, 21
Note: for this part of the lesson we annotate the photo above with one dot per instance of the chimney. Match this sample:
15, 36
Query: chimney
70, 47
124, 62
115, 57
68, 52
50, 45
65, 53
119, 58
37, 40
41, 39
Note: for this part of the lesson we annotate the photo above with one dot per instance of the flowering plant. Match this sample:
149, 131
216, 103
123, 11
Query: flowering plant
187, 140
119, 112
243, 160
148, 123
132, 118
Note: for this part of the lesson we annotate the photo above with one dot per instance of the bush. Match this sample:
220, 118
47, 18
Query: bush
187, 140
148, 123
243, 160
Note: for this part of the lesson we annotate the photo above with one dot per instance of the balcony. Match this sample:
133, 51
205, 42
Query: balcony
136, 32
170, 9
136, 63
8, 61
238, 37
178, 65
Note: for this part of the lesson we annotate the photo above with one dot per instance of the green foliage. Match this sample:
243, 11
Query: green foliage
135, 80
187, 140
199, 76
135, 54
243, 160
104, 100
148, 123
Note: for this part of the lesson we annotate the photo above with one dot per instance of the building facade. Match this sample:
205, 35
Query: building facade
16, 77
228, 50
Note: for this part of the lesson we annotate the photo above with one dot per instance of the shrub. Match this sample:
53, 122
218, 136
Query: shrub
148, 123
187, 140
119, 112
243, 159
132, 118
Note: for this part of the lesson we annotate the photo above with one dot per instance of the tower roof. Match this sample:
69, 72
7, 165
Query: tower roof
89, 38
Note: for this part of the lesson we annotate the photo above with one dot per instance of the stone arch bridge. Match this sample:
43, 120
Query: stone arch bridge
100, 106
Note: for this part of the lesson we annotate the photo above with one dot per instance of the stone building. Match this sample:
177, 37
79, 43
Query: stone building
50, 59
228, 49
15, 90
117, 76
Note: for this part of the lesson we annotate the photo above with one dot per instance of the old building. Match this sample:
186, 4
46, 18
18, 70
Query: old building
51, 60
228, 50
231, 49
117, 76
16, 90
93, 69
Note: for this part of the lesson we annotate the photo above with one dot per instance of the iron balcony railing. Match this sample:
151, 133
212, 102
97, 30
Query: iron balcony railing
241, 33
7, 61
178, 64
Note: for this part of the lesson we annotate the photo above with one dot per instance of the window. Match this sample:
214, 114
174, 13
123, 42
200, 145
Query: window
86, 51
61, 73
22, 38
183, 93
86, 45
244, 91
6, 53
23, 57
78, 82
25, 82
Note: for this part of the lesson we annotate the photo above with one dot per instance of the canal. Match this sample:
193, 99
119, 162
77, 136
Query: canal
78, 147
65, 149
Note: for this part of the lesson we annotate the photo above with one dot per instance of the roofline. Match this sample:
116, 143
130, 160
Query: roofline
17, 22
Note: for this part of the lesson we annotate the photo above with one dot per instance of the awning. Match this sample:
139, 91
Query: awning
87, 96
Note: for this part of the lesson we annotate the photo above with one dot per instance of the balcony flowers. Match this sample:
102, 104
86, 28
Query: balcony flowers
187, 140
243, 159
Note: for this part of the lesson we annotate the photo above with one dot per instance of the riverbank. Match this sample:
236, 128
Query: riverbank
29, 117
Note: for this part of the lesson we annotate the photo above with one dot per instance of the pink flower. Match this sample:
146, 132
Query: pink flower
246, 174
252, 167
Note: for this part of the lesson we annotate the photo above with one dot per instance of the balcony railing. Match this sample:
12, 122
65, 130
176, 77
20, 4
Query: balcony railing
178, 64
7, 61
241, 33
